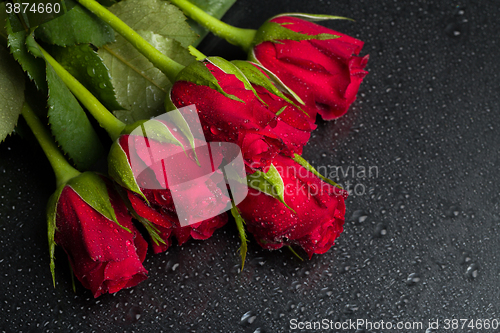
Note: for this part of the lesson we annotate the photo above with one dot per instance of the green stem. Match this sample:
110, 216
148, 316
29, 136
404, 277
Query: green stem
237, 36
168, 66
62, 169
106, 119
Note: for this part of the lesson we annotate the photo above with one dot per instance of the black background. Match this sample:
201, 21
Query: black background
421, 239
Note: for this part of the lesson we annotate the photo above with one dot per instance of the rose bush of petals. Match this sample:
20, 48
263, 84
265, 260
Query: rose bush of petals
104, 256
261, 123
314, 221
324, 73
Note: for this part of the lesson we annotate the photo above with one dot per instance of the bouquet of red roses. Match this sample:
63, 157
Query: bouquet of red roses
207, 136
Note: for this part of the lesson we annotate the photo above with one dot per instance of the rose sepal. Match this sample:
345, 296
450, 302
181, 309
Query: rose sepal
148, 225
199, 74
92, 188
120, 170
119, 167
255, 76
51, 228
299, 159
275, 32
313, 17
175, 115
253, 59
230, 68
270, 183
240, 223
93, 191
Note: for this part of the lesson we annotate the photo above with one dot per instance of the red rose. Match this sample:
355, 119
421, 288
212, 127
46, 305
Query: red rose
104, 256
324, 71
315, 221
241, 111
160, 209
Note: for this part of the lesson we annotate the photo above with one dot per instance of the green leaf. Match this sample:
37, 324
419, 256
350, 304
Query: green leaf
70, 125
77, 26
158, 16
215, 8
34, 67
87, 67
107, 3
274, 32
51, 227
3, 23
93, 190
269, 182
35, 13
119, 169
139, 86
11, 93
297, 158
241, 230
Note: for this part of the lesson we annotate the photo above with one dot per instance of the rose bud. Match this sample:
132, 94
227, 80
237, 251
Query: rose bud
320, 65
238, 103
158, 164
302, 208
88, 219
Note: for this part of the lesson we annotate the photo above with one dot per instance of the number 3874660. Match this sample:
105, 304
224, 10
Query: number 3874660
26, 7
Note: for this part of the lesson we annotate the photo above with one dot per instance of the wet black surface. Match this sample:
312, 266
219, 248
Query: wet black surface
421, 238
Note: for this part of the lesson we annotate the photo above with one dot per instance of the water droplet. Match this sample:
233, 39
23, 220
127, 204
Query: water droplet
466, 258
380, 230
359, 216
248, 318
412, 279
472, 271
91, 71
214, 130
453, 30
350, 308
